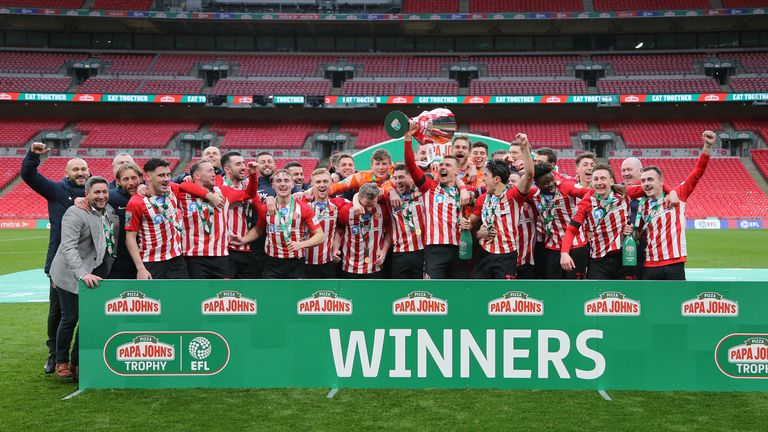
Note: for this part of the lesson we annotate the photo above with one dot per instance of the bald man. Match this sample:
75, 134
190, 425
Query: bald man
631, 168
119, 160
60, 196
212, 155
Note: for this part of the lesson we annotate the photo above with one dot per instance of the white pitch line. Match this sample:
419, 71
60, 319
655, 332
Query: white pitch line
71, 395
332, 393
22, 238
605, 395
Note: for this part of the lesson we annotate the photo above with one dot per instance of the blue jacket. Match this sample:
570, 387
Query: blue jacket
59, 194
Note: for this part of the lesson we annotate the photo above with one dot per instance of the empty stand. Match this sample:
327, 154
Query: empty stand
749, 84
525, 5
127, 134
9, 169
615, 85
725, 181
400, 66
178, 64
367, 133
59, 4
671, 134
623, 5
760, 158
743, 3
651, 64
17, 133
34, 84
400, 87
172, 86
106, 84
431, 6
244, 135
278, 65
525, 65
492, 86
231, 86
40, 63
758, 126
127, 64
126, 5
542, 134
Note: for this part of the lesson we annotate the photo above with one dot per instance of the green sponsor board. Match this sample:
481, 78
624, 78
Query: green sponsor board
705, 336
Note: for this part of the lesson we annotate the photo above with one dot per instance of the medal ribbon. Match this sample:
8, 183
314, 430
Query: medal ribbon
409, 206
205, 211
654, 207
109, 234
365, 231
286, 222
490, 206
605, 205
163, 211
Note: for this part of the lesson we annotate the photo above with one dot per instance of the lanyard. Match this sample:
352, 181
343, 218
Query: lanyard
547, 210
162, 209
453, 192
408, 210
654, 207
366, 222
205, 211
490, 206
109, 234
321, 209
603, 208
286, 220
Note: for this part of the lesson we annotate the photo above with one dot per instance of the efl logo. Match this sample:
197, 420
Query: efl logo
743, 355
420, 303
710, 304
229, 303
516, 303
612, 303
324, 303
707, 223
132, 303
146, 347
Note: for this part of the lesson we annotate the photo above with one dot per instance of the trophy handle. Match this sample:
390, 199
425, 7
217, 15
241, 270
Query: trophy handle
397, 124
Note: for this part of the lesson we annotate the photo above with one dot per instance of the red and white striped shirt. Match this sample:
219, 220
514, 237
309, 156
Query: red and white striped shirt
503, 214
526, 235
408, 223
205, 226
240, 213
555, 212
326, 213
303, 218
158, 222
665, 228
363, 238
604, 219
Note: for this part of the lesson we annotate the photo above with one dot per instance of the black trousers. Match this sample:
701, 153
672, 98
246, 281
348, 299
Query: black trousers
122, 268
496, 266
69, 316
376, 275
174, 268
580, 258
241, 265
540, 258
321, 271
284, 268
526, 271
209, 267
259, 258
669, 272
608, 267
54, 317
442, 262
408, 265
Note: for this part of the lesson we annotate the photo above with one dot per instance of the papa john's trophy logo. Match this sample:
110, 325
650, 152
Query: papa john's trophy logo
420, 303
132, 303
146, 347
229, 303
743, 355
324, 302
710, 304
516, 303
612, 303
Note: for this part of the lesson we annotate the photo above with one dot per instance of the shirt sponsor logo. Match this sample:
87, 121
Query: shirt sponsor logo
420, 303
229, 303
132, 303
324, 302
743, 355
612, 303
710, 304
516, 303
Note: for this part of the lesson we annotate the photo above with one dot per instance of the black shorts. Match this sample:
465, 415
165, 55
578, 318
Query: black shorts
580, 259
526, 271
540, 260
258, 257
408, 265
321, 271
242, 265
376, 275
668, 272
208, 267
442, 262
174, 268
284, 268
496, 266
608, 267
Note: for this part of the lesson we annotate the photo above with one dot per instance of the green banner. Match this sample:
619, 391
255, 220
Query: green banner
704, 336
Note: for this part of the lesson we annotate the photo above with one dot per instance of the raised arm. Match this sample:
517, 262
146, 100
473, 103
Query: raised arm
686, 188
524, 184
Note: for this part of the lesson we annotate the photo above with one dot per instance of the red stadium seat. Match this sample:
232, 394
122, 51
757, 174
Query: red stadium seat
430, 6
525, 5
9, 169
126, 5
366, 133
41, 63
493, 86
651, 64
245, 135
554, 135
624, 5
357, 87
758, 126
525, 65
34, 84
616, 85
127, 134
760, 158
749, 84
99, 84
310, 87
57, 4
667, 134
17, 133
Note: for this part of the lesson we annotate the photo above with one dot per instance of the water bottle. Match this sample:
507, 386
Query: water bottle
629, 251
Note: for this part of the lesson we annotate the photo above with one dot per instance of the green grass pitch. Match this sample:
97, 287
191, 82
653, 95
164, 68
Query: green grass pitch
31, 401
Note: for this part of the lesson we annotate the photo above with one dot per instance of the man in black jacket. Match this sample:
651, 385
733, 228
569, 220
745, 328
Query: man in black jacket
60, 196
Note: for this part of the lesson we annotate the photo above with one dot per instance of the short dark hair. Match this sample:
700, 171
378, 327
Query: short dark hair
263, 153
541, 169
653, 168
605, 167
498, 169
586, 155
293, 164
400, 167
549, 153
154, 164
94, 180
499, 152
196, 166
480, 144
227, 156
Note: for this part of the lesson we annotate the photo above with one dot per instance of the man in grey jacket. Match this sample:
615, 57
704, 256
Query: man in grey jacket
87, 251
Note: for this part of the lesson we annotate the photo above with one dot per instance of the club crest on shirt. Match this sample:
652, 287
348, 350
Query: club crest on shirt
439, 198
192, 207
158, 219
271, 228
598, 213
355, 229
